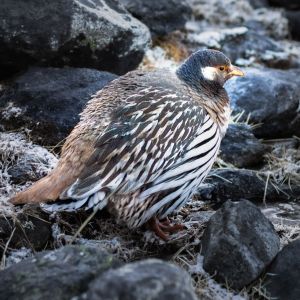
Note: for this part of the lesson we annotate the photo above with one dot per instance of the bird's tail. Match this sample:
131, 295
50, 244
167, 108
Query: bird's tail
46, 189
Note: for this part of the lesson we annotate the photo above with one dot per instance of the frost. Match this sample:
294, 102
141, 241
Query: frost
16, 256
214, 39
11, 111
156, 58
17, 153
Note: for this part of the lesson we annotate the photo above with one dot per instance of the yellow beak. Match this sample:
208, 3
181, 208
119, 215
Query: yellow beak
235, 71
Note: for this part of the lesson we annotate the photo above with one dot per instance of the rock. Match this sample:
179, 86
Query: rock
245, 46
238, 184
231, 13
150, 279
238, 244
270, 98
29, 228
226, 12
161, 16
283, 277
241, 148
97, 34
21, 163
270, 22
22, 160
47, 101
258, 3
289, 4
57, 275
294, 23
256, 47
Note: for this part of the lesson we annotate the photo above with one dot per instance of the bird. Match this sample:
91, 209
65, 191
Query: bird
143, 144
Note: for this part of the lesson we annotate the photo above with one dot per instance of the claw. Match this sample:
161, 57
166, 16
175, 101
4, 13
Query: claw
162, 228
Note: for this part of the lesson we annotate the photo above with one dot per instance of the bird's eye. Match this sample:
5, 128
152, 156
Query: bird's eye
221, 68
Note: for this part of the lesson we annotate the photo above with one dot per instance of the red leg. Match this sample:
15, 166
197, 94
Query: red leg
153, 224
169, 227
162, 228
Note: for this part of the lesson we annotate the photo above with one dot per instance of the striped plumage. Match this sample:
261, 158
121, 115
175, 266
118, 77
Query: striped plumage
144, 143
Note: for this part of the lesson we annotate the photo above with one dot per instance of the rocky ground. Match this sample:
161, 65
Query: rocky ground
242, 227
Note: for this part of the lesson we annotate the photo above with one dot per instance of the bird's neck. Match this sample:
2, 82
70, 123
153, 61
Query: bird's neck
210, 94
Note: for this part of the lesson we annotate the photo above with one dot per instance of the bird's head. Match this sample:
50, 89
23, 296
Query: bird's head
207, 68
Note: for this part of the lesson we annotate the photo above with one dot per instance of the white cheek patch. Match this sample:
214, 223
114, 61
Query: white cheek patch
209, 73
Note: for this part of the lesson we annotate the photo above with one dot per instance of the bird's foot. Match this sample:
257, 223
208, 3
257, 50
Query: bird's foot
162, 228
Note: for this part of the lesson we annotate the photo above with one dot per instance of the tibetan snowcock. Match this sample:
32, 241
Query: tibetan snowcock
143, 145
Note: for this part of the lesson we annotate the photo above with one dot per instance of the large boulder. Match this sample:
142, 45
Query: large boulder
58, 275
23, 161
241, 148
238, 244
245, 46
294, 23
161, 16
283, 277
48, 101
29, 228
270, 98
150, 279
97, 34
255, 46
238, 184
228, 14
290, 4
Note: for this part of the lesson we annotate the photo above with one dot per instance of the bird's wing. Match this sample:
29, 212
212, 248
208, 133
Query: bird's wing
145, 137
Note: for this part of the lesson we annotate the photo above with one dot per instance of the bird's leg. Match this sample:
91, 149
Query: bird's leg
169, 227
155, 226
164, 227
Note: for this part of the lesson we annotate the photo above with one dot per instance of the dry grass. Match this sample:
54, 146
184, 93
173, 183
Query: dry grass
284, 165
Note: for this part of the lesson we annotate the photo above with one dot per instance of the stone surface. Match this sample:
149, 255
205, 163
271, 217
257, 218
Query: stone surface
256, 47
232, 13
271, 99
97, 34
241, 148
294, 23
245, 45
258, 3
150, 279
283, 276
161, 16
48, 101
23, 161
28, 228
290, 4
238, 243
237, 184
58, 275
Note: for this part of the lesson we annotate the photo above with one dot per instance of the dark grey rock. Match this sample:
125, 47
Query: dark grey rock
258, 3
28, 228
97, 34
238, 243
241, 148
289, 4
150, 279
161, 16
283, 277
57, 275
294, 23
271, 98
255, 45
238, 184
48, 101
22, 160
